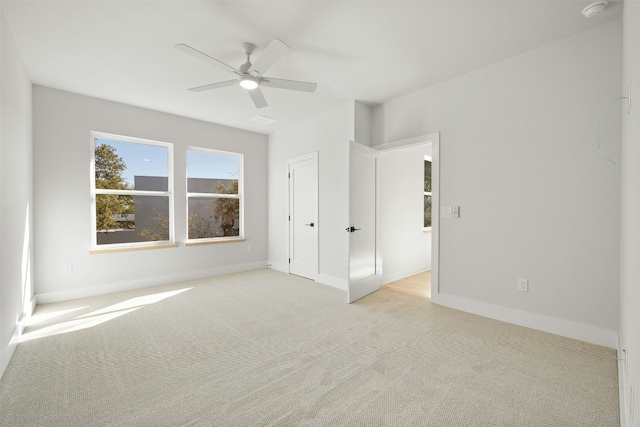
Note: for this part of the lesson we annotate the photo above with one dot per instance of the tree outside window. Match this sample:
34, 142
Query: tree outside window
214, 205
427, 193
131, 191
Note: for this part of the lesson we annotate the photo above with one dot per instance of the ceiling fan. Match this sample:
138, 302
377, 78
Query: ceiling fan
251, 76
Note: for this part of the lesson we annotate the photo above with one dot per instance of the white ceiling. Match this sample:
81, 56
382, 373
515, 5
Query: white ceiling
372, 51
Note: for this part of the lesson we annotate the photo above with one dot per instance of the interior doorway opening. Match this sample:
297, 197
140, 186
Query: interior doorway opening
418, 285
410, 220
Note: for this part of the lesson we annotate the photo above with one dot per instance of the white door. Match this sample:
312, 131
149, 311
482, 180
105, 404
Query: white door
365, 272
303, 215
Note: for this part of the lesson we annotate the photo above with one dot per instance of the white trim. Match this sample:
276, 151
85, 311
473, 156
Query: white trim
565, 328
408, 142
7, 351
49, 297
282, 267
435, 207
334, 282
622, 384
323, 279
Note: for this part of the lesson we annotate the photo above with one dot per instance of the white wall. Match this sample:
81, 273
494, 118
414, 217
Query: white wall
16, 222
329, 134
406, 248
363, 114
62, 122
517, 154
630, 228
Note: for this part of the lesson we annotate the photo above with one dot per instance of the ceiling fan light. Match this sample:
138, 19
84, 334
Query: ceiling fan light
249, 83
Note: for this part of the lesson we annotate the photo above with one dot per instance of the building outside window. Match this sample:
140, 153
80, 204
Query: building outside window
214, 195
131, 192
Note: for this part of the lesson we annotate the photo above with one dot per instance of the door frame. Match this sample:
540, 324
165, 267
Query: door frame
434, 140
309, 156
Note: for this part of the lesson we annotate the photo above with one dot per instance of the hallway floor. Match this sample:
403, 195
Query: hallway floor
418, 285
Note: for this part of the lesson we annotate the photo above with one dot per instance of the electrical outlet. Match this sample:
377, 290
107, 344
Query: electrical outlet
523, 285
446, 212
67, 268
249, 248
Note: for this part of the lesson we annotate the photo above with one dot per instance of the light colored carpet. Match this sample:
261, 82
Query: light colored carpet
269, 349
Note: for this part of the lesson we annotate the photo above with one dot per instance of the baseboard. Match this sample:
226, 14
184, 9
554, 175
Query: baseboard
6, 352
334, 282
565, 328
622, 384
49, 297
8, 348
388, 278
282, 267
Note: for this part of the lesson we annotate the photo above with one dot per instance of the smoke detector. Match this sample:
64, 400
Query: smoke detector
594, 8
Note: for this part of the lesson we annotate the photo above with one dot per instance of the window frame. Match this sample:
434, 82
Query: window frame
151, 244
427, 193
239, 196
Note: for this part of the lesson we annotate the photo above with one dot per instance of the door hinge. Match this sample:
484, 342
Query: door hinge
289, 260
289, 175
289, 217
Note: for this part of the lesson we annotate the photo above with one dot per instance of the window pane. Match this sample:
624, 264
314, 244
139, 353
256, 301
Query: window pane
213, 217
127, 219
427, 176
427, 211
212, 186
127, 166
213, 173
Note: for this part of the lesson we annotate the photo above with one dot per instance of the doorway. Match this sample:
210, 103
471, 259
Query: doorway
303, 215
418, 285
409, 229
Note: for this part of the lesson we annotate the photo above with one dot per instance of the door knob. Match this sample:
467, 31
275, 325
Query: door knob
311, 224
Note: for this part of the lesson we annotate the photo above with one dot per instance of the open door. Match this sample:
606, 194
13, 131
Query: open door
365, 269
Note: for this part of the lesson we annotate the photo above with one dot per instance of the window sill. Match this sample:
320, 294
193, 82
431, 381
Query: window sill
426, 230
129, 249
214, 242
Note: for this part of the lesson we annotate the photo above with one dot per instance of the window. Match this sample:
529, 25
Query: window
132, 197
427, 193
214, 195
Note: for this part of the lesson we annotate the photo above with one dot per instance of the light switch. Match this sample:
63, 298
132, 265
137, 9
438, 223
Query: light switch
455, 211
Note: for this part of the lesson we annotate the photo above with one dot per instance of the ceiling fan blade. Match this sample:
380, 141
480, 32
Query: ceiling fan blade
258, 97
203, 56
288, 84
270, 56
213, 86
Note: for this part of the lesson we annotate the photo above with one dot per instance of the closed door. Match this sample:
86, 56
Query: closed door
365, 273
303, 215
